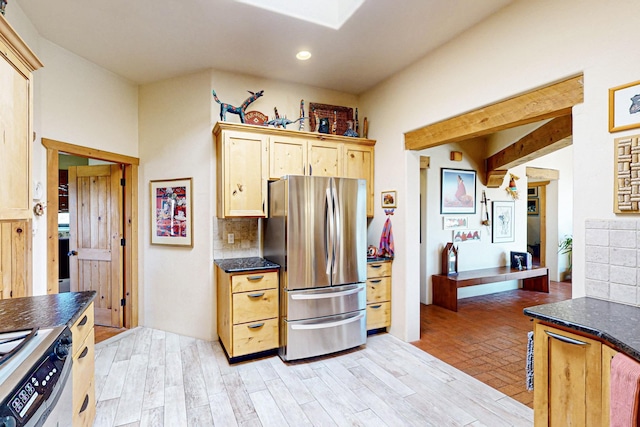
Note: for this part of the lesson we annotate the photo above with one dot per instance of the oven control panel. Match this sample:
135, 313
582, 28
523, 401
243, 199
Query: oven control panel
35, 389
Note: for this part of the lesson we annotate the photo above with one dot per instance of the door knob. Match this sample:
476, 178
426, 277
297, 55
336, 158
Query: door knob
72, 253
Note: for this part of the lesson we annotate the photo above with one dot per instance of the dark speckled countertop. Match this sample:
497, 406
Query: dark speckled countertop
617, 324
236, 265
43, 311
379, 259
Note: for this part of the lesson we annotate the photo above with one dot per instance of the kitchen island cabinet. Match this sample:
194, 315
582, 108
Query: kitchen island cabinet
247, 296
574, 343
83, 351
378, 294
287, 152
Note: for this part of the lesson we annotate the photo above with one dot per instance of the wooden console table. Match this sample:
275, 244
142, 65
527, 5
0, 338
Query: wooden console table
445, 288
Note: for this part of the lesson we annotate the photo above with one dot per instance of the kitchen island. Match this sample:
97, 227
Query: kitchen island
574, 343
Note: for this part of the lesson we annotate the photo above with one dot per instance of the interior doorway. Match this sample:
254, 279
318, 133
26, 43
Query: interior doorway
537, 222
127, 307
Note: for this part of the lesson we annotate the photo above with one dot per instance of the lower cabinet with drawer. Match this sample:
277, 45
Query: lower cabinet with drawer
83, 351
247, 311
378, 294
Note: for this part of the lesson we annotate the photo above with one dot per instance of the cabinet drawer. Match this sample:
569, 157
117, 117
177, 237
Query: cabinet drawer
378, 290
84, 408
378, 315
256, 305
254, 337
83, 368
255, 281
81, 328
378, 269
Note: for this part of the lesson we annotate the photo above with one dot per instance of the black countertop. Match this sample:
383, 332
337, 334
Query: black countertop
43, 311
236, 265
617, 324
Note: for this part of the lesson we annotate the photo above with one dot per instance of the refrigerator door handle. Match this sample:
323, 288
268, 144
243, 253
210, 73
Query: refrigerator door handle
329, 226
338, 227
328, 324
329, 294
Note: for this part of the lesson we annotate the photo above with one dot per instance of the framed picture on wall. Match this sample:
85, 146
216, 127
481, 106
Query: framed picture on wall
624, 107
457, 191
532, 206
171, 215
503, 222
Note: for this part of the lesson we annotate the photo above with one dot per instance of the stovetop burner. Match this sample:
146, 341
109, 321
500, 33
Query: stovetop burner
12, 342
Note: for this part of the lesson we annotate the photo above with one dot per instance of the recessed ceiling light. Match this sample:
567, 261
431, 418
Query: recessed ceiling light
303, 55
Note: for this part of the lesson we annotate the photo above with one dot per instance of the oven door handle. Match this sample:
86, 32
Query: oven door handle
328, 324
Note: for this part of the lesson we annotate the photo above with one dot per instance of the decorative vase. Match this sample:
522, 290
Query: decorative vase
350, 132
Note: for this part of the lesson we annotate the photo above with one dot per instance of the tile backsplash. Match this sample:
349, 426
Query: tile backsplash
612, 258
245, 235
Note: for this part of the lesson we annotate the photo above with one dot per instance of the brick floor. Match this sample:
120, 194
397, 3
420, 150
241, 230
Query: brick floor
487, 337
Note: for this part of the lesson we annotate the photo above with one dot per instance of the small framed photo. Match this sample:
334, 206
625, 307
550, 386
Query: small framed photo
532, 191
457, 191
624, 107
503, 222
532, 207
388, 199
171, 214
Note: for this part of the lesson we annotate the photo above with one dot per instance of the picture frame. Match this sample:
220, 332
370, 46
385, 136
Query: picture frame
171, 212
532, 206
457, 191
461, 236
454, 222
503, 222
532, 191
624, 107
388, 199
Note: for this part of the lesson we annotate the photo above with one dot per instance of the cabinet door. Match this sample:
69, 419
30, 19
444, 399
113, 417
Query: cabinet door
325, 158
358, 163
15, 141
15, 259
567, 381
245, 183
287, 156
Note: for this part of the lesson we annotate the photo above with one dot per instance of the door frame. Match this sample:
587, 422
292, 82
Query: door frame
130, 231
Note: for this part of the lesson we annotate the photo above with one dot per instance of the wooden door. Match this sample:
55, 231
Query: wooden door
95, 206
287, 156
358, 163
15, 259
568, 375
325, 158
245, 184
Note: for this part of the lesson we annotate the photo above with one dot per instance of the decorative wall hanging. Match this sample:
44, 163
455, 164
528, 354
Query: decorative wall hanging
503, 225
228, 108
460, 236
457, 191
532, 206
532, 192
624, 107
388, 199
626, 180
332, 113
512, 189
484, 210
454, 222
171, 217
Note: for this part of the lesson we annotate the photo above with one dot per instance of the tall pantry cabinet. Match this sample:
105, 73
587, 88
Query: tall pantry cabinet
16, 136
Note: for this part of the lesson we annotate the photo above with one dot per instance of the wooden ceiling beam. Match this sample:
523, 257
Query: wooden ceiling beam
545, 103
546, 139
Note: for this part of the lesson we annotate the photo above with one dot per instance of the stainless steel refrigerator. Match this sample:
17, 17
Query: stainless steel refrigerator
316, 231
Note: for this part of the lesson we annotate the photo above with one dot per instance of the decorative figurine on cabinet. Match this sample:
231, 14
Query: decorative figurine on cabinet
3, 5
224, 107
450, 260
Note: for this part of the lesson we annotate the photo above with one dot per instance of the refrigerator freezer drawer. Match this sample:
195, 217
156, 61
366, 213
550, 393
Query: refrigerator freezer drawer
322, 302
315, 337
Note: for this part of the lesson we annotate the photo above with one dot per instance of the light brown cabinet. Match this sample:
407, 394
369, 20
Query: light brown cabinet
247, 311
378, 294
83, 374
15, 259
571, 378
289, 152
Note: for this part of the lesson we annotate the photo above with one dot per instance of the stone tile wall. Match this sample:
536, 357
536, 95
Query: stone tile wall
612, 256
246, 238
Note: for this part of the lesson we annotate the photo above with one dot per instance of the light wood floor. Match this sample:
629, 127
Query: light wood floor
147, 377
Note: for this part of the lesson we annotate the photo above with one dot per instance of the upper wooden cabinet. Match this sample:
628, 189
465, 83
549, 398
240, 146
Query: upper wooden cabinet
292, 152
16, 117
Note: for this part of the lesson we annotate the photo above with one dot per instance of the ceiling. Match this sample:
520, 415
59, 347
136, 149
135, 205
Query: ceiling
146, 41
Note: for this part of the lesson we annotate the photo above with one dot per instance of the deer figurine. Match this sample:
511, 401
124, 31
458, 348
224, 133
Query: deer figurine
224, 107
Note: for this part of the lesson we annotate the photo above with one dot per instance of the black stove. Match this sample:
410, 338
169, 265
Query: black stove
34, 368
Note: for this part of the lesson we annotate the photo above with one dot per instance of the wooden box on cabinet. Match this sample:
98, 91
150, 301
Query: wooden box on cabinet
83, 351
378, 294
16, 103
571, 378
247, 311
241, 159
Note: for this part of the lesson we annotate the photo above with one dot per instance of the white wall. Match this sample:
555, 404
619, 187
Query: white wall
522, 47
